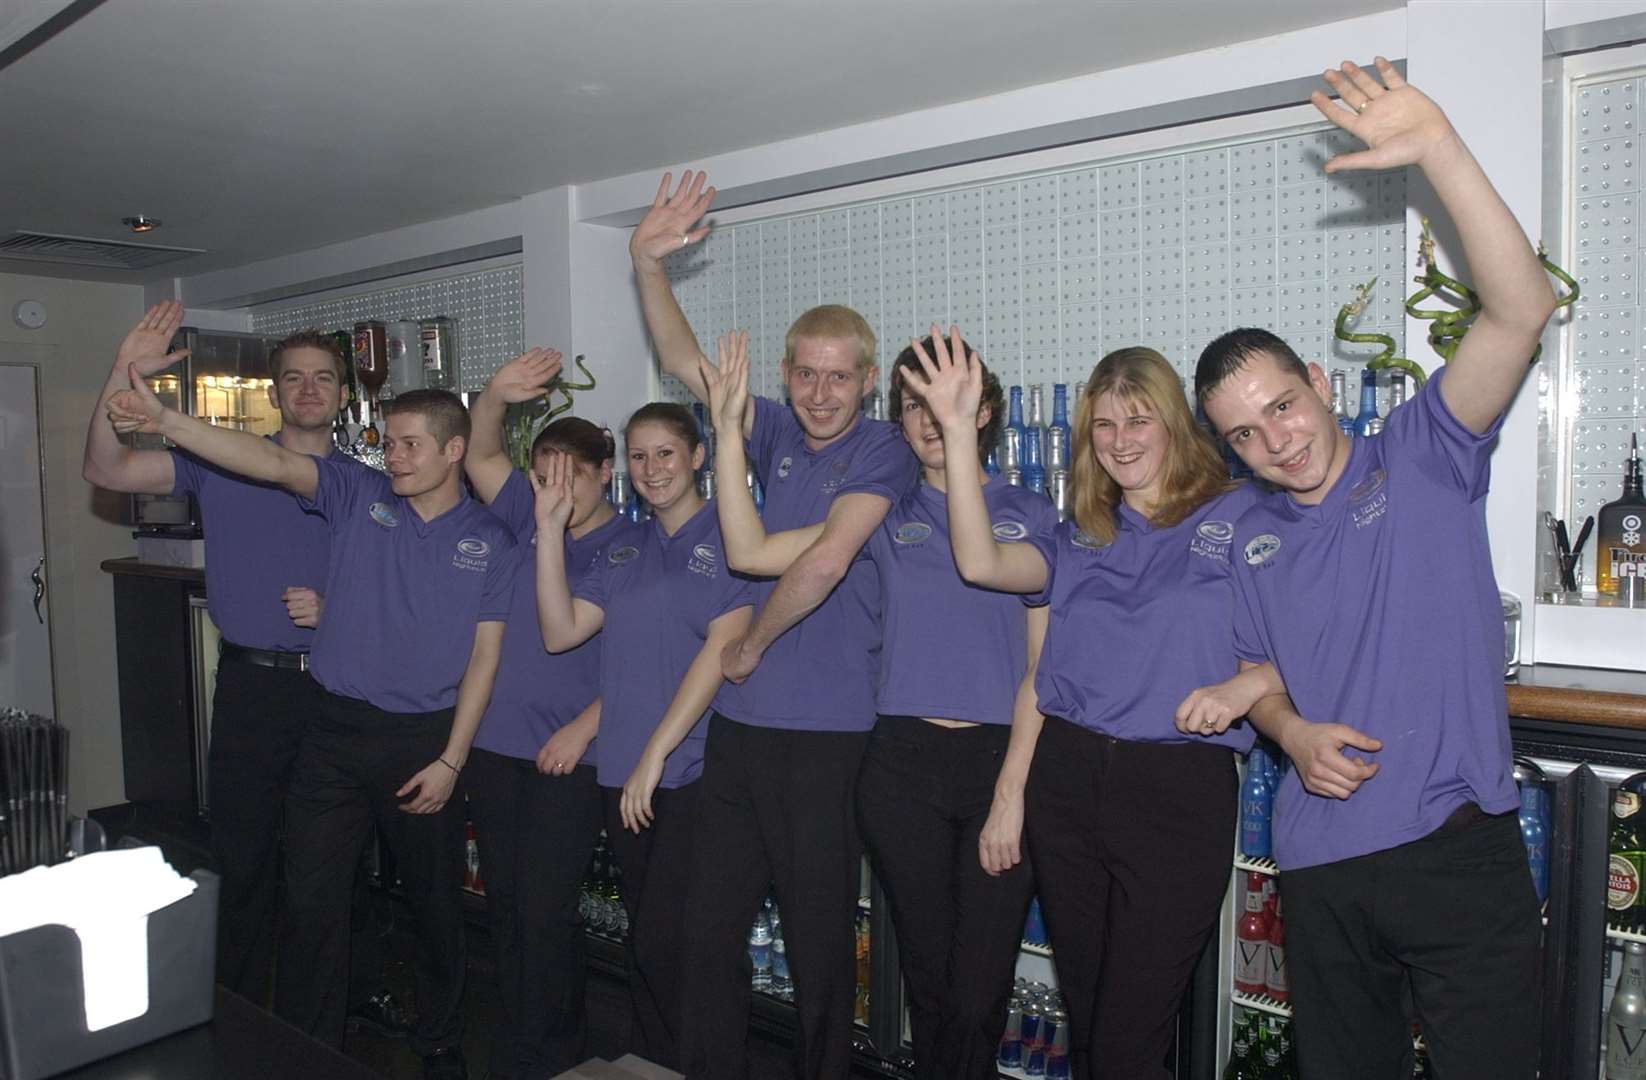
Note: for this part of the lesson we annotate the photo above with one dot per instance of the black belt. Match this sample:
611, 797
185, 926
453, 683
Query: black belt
293, 661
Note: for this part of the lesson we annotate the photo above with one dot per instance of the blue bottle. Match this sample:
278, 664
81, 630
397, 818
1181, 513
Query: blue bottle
1058, 433
1534, 824
1256, 806
991, 464
1367, 421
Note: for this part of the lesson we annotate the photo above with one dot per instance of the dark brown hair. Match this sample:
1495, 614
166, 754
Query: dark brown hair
442, 409
577, 437
1233, 350
993, 396
676, 417
306, 339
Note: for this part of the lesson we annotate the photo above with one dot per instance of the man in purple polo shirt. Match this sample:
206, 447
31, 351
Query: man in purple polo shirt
419, 586
783, 750
266, 565
1369, 584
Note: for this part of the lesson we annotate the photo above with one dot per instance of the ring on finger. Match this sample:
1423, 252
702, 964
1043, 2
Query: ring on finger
1359, 108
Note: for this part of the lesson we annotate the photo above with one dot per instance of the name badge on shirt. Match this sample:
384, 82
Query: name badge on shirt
472, 554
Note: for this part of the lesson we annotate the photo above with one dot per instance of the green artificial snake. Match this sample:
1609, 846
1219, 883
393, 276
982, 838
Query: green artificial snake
1446, 325
527, 420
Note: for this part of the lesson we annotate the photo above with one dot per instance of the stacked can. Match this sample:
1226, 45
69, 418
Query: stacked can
1036, 1039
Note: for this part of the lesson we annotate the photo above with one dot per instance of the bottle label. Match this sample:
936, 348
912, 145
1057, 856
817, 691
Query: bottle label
1623, 881
1275, 978
1625, 1054
1625, 804
1251, 963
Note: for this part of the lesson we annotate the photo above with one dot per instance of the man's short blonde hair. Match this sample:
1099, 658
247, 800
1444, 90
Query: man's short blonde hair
835, 321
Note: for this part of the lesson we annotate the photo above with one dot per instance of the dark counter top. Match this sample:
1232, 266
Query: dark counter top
130, 565
1579, 695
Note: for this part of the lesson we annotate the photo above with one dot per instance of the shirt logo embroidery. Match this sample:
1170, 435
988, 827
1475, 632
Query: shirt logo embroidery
912, 532
1368, 500
1260, 549
471, 554
1010, 531
783, 468
1084, 539
383, 514
1211, 539
621, 555
704, 557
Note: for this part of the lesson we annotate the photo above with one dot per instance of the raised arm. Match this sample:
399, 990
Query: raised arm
432, 786
487, 462
1000, 844
109, 463
564, 621
137, 409
951, 384
749, 548
1401, 126
673, 222
810, 579
697, 688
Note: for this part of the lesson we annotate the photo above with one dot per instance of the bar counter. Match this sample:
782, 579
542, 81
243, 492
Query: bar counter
1577, 695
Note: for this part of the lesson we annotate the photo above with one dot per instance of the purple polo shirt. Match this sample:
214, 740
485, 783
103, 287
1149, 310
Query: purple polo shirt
1137, 624
538, 692
259, 541
820, 675
950, 650
403, 595
659, 594
1380, 610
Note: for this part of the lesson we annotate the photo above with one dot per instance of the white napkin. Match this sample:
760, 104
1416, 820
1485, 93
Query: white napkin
106, 899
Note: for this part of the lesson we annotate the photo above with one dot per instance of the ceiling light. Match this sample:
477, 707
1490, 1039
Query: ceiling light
141, 224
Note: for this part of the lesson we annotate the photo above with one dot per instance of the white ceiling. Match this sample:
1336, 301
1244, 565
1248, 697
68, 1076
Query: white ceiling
255, 128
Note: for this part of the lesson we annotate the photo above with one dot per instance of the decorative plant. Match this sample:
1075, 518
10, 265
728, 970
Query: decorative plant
524, 422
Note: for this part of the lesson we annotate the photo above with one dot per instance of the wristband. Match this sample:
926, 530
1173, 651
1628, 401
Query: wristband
455, 770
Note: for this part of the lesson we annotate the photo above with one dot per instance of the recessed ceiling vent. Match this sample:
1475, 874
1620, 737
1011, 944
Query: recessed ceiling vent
86, 251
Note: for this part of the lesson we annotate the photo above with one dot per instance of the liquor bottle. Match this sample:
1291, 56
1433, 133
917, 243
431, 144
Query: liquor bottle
1013, 436
1340, 403
1627, 855
1256, 806
1620, 529
1626, 1019
1368, 403
1058, 491
1252, 941
760, 955
1034, 432
1397, 391
1057, 433
1275, 980
991, 463
1534, 823
1241, 1065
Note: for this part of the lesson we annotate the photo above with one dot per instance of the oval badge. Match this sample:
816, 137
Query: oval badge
912, 532
383, 514
622, 555
1218, 532
474, 548
1260, 549
706, 552
1010, 531
783, 468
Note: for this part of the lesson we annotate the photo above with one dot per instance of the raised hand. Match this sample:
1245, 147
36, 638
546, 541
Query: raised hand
145, 346
1396, 121
950, 380
553, 507
672, 222
728, 383
526, 376
136, 409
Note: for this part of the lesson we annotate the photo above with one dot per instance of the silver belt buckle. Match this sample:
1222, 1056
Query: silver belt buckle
302, 661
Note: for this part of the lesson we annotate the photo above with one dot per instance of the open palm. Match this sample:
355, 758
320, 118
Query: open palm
1397, 122
145, 345
672, 222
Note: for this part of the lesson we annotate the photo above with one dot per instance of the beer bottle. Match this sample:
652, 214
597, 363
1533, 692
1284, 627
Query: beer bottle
1627, 859
1240, 1054
1626, 1019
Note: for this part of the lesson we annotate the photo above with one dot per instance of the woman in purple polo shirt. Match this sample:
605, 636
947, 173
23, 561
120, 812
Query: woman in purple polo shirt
531, 777
668, 605
1130, 875
939, 797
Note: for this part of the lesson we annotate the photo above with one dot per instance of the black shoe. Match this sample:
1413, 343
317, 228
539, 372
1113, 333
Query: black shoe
446, 1063
381, 1015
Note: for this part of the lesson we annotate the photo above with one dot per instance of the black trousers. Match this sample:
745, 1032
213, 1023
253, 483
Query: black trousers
923, 797
1450, 920
536, 834
775, 809
656, 866
259, 715
1132, 843
352, 761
